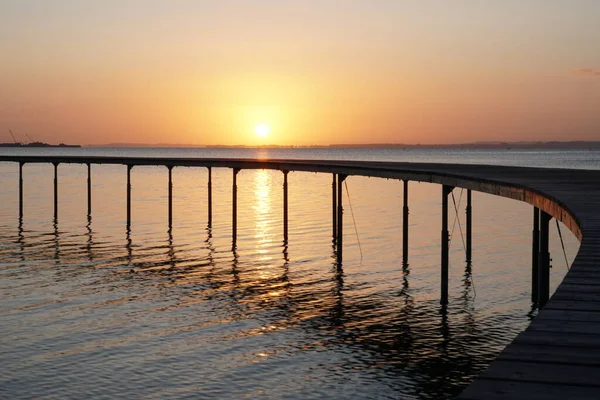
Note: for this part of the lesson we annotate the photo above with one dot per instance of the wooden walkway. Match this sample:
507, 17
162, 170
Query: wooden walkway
558, 355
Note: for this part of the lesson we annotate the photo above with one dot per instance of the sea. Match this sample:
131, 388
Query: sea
92, 308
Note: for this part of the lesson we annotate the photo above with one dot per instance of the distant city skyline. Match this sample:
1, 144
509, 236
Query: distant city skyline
298, 73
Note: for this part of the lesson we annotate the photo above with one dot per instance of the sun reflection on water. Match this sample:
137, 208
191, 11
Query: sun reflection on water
263, 224
262, 210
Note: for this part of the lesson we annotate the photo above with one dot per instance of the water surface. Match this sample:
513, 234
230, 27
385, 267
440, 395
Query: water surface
89, 308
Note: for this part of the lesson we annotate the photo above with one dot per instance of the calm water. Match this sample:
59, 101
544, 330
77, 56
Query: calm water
90, 309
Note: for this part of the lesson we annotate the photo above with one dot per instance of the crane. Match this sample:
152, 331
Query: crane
29, 137
13, 136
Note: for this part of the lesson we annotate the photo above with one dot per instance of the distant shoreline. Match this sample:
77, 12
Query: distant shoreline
552, 145
581, 145
37, 144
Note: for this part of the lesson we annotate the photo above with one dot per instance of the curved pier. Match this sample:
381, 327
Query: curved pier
558, 355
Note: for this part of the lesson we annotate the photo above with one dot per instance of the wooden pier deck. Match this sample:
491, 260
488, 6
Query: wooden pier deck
558, 355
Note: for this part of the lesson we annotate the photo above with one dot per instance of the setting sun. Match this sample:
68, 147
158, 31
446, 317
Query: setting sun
262, 130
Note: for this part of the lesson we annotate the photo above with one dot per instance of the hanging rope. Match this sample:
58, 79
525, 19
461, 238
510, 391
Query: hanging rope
473, 285
456, 219
353, 220
562, 244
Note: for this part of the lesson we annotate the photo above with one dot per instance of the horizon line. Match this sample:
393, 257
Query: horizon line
477, 144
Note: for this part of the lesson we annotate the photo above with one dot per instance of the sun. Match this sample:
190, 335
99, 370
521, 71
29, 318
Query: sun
262, 130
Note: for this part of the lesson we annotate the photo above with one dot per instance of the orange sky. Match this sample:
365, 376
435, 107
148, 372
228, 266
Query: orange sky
193, 72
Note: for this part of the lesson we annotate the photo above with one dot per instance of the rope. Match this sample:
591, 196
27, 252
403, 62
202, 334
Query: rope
455, 214
353, 220
473, 285
456, 219
562, 244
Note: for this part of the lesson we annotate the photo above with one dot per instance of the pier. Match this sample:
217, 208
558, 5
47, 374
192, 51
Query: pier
557, 356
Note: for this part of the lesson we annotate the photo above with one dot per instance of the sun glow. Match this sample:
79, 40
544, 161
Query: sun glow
262, 130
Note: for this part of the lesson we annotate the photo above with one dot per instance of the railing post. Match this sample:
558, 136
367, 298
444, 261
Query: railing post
334, 207
234, 206
445, 242
544, 260
340, 219
285, 206
170, 167
89, 188
129, 167
55, 190
405, 225
209, 197
535, 255
21, 190
469, 223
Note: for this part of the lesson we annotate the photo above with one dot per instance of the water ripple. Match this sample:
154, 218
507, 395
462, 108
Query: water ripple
90, 308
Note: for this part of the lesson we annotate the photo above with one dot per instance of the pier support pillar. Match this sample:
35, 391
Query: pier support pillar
334, 208
340, 219
21, 190
55, 190
469, 223
285, 206
89, 189
170, 167
445, 242
405, 225
535, 255
209, 197
129, 167
234, 207
544, 260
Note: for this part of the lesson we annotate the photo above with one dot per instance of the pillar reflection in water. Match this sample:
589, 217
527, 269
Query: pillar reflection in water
55, 190
128, 247
89, 241
56, 242
21, 240
21, 193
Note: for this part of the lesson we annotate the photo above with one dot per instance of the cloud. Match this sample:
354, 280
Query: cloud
589, 71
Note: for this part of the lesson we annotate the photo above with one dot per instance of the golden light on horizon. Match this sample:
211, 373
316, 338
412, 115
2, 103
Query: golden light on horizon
262, 130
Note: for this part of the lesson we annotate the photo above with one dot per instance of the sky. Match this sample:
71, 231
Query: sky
316, 72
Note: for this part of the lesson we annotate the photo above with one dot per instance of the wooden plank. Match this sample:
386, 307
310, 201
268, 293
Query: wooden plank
486, 389
592, 276
544, 373
574, 296
567, 287
583, 341
569, 316
566, 326
589, 280
556, 304
550, 354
